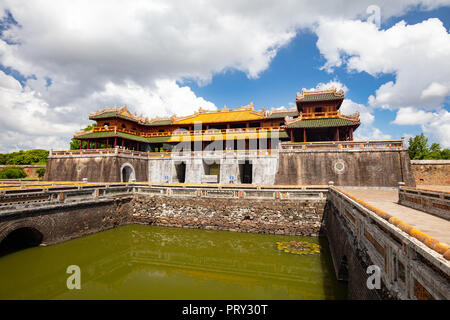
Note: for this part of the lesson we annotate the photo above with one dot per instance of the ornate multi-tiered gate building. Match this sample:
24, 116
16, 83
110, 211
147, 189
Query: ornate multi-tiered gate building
310, 144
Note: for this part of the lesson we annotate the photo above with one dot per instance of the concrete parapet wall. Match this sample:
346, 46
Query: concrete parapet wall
432, 172
430, 201
376, 168
409, 268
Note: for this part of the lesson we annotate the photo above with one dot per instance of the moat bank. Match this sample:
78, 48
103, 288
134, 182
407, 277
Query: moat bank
413, 265
150, 262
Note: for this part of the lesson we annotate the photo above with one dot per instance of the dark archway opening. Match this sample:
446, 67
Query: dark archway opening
126, 173
181, 172
343, 270
20, 239
246, 169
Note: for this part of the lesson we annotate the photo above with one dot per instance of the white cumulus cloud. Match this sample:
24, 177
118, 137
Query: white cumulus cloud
418, 55
140, 52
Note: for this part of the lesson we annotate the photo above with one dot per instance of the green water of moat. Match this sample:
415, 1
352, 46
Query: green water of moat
149, 262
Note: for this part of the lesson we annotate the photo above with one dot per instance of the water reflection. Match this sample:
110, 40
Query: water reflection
147, 262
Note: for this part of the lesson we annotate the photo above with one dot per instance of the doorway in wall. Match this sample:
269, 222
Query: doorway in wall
127, 173
212, 169
180, 169
245, 171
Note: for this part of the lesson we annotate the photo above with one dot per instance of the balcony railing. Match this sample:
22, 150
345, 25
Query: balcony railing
181, 153
319, 145
332, 114
182, 132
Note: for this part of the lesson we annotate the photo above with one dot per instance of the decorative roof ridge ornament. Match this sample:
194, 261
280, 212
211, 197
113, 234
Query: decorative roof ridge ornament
333, 91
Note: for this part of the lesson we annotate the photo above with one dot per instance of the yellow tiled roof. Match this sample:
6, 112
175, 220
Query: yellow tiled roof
222, 116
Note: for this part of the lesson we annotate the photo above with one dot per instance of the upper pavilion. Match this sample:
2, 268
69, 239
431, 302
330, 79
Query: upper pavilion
316, 118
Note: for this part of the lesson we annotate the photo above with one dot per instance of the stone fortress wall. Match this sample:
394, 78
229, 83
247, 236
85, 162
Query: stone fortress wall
431, 172
372, 168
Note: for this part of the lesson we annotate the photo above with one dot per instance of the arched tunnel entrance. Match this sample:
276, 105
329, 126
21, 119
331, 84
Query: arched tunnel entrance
19, 239
127, 173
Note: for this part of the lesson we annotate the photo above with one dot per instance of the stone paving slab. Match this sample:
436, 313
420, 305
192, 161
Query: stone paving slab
386, 200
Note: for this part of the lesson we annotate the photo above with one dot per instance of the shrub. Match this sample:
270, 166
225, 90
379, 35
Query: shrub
40, 172
12, 173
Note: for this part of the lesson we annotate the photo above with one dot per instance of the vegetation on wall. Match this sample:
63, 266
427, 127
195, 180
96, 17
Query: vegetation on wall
35, 156
40, 172
12, 173
419, 149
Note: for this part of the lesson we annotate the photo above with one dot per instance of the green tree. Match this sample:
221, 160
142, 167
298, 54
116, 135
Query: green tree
75, 143
12, 173
35, 156
40, 172
419, 150
418, 147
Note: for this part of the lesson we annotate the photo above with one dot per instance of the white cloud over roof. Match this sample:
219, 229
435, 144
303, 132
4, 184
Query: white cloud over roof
138, 53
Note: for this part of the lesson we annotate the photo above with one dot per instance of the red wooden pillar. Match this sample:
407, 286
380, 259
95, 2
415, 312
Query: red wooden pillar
304, 134
351, 133
81, 143
291, 133
137, 147
123, 142
269, 144
88, 145
337, 133
107, 143
115, 142
95, 144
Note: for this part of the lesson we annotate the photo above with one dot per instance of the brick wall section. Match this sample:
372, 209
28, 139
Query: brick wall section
376, 168
61, 224
349, 264
299, 217
432, 172
95, 169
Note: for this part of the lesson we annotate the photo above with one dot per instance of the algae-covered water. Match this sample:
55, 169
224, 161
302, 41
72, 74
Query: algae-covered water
149, 262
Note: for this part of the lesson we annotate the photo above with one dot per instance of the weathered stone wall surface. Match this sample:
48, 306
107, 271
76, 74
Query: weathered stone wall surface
382, 168
263, 168
349, 263
377, 168
94, 168
408, 268
60, 224
432, 172
299, 217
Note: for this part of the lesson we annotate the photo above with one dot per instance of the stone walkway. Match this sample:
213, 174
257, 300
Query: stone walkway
386, 200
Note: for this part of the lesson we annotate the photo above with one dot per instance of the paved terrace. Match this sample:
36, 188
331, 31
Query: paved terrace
386, 200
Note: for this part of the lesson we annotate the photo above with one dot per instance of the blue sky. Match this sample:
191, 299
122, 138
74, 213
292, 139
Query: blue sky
298, 65
60, 61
